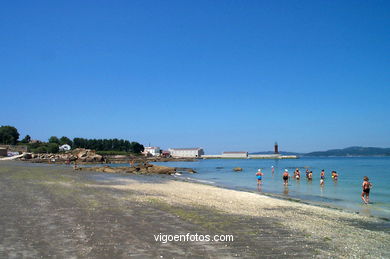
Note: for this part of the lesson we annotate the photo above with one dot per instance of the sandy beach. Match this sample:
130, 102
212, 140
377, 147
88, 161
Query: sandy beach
51, 210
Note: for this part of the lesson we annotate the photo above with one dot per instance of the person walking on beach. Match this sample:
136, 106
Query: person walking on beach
285, 177
322, 177
366, 190
259, 175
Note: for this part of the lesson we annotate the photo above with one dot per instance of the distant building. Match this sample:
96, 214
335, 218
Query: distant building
15, 148
186, 152
235, 154
65, 147
3, 152
154, 151
276, 148
165, 153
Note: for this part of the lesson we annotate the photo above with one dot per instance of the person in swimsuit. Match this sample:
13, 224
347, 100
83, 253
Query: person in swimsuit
297, 174
366, 190
259, 175
322, 177
310, 176
307, 173
285, 177
335, 175
272, 169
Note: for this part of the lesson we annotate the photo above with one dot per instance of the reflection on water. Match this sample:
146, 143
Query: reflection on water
285, 191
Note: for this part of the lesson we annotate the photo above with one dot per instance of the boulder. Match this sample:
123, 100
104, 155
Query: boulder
155, 169
27, 156
237, 169
190, 170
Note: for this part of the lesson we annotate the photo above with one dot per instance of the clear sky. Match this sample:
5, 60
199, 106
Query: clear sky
222, 75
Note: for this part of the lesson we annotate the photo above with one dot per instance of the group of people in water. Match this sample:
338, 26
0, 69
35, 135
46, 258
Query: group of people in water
309, 175
297, 175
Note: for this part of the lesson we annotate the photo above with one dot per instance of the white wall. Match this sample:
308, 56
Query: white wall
186, 152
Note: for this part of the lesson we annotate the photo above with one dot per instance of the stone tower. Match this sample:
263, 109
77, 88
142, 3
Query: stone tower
276, 150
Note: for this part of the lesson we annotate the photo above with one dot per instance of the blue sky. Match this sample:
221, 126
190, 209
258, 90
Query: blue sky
222, 75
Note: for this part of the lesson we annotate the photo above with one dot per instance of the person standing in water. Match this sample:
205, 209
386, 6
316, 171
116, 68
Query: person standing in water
259, 176
310, 176
272, 169
366, 190
285, 177
334, 175
322, 177
297, 174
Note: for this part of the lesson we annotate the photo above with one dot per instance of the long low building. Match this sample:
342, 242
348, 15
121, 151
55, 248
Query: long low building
235, 154
186, 152
257, 156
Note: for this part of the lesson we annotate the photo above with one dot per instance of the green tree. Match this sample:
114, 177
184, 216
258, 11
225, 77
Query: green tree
9, 135
65, 140
40, 149
26, 139
136, 147
52, 148
54, 139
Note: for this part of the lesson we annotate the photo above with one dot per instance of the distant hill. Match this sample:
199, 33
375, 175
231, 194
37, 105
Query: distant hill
352, 151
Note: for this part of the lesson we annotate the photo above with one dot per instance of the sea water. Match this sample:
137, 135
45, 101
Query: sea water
344, 193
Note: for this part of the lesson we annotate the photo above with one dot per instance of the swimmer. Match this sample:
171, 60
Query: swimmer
335, 176
307, 173
298, 174
366, 190
285, 177
322, 177
310, 176
259, 175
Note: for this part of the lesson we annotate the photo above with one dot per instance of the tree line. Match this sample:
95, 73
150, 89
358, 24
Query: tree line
9, 135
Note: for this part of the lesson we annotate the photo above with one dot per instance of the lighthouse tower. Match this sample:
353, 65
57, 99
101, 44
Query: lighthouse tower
276, 148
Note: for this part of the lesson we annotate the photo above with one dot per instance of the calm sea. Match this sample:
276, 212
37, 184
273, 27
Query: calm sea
344, 193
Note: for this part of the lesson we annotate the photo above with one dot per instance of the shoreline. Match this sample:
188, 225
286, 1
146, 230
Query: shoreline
262, 224
319, 222
304, 198
291, 198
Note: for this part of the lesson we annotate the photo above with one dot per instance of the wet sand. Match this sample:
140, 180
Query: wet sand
51, 210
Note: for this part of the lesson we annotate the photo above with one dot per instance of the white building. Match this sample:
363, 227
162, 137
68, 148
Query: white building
65, 147
235, 154
186, 152
154, 151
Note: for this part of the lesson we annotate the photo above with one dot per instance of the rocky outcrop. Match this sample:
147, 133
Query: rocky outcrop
86, 155
79, 154
190, 170
140, 169
237, 169
161, 170
27, 155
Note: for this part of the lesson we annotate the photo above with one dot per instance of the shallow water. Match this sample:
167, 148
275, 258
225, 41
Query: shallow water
344, 193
